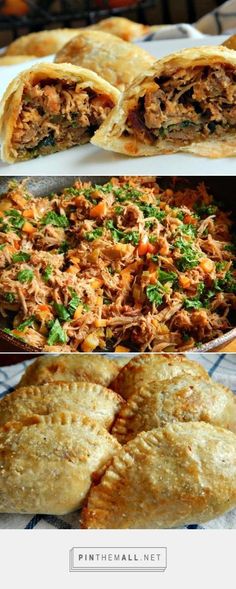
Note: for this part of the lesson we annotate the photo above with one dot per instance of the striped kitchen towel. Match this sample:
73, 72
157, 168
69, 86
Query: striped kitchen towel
222, 367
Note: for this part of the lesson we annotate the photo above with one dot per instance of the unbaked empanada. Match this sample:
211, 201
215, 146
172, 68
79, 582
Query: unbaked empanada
121, 27
181, 474
183, 398
41, 43
145, 368
47, 462
69, 368
184, 102
112, 58
91, 399
52, 107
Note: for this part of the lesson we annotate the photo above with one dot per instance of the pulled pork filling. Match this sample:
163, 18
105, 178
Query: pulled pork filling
188, 106
57, 115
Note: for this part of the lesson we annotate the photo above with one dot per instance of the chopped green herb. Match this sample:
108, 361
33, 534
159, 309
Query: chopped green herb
164, 276
9, 297
25, 276
189, 258
107, 301
193, 303
118, 210
56, 334
155, 292
20, 257
63, 248
206, 210
188, 229
74, 303
15, 218
91, 235
151, 211
53, 218
116, 233
231, 247
26, 323
2, 246
47, 273
132, 237
62, 312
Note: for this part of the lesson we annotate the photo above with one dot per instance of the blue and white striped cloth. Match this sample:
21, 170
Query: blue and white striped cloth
222, 367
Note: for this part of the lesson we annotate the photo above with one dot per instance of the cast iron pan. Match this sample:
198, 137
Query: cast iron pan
222, 187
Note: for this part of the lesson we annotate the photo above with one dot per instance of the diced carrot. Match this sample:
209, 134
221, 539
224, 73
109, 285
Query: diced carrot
28, 214
96, 283
90, 343
43, 308
20, 200
99, 210
75, 260
184, 281
100, 322
28, 228
78, 312
145, 247
121, 349
16, 244
189, 219
206, 265
1, 214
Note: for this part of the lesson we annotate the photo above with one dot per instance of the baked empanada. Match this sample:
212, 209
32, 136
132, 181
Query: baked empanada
181, 474
70, 368
14, 59
145, 368
183, 398
121, 27
41, 43
115, 60
230, 42
52, 107
184, 102
93, 400
47, 462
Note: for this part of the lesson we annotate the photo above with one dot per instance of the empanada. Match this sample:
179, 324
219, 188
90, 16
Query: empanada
93, 400
181, 474
47, 462
183, 398
41, 43
230, 42
52, 107
70, 368
184, 102
121, 27
145, 368
115, 60
14, 59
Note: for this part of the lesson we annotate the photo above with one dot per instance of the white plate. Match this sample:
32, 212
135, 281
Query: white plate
89, 160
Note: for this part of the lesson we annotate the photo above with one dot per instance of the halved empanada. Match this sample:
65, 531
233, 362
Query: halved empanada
47, 462
52, 107
70, 368
112, 58
121, 27
91, 399
183, 398
41, 43
184, 102
145, 368
181, 474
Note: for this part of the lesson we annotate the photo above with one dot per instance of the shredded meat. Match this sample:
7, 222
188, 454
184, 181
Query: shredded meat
188, 106
57, 115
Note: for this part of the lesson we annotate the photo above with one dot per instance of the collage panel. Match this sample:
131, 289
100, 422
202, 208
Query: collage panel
117, 267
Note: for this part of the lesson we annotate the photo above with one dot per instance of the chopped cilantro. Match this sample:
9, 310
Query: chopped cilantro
193, 303
2, 246
132, 237
25, 276
9, 297
155, 292
15, 218
62, 312
56, 334
118, 210
91, 235
74, 302
151, 211
47, 273
20, 257
164, 276
63, 248
116, 233
188, 229
53, 218
189, 256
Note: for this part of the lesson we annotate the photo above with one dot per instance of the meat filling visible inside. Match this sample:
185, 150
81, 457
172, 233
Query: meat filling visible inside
57, 115
188, 106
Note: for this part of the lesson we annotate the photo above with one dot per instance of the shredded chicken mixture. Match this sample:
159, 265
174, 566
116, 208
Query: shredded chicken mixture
55, 116
126, 265
190, 105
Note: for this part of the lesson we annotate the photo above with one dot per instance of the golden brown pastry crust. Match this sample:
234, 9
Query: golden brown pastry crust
11, 102
115, 60
169, 477
121, 27
14, 59
113, 133
230, 42
47, 462
145, 368
70, 368
183, 398
91, 399
41, 43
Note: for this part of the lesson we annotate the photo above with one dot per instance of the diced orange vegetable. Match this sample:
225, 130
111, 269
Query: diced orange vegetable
78, 312
100, 322
75, 260
99, 210
20, 200
43, 308
184, 281
206, 265
90, 343
1, 214
28, 214
189, 219
164, 250
28, 228
145, 247
97, 283
72, 270
16, 244
121, 349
